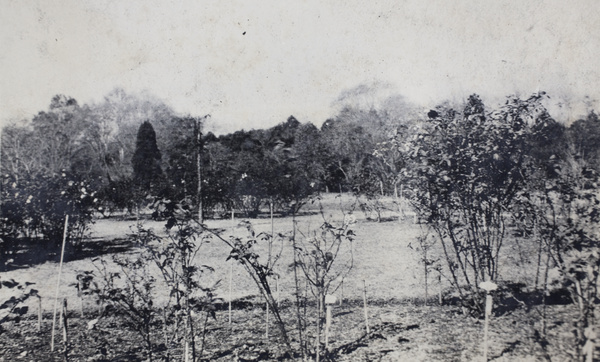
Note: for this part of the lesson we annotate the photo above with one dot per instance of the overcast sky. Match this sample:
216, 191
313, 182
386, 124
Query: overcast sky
252, 64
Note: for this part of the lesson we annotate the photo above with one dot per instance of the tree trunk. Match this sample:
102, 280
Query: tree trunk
199, 171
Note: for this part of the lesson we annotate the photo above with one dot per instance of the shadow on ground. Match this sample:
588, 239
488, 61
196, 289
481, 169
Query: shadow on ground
29, 253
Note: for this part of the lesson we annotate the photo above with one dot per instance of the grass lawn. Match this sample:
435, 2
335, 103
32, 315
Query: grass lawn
382, 256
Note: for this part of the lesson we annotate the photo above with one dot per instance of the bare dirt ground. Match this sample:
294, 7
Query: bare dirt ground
386, 260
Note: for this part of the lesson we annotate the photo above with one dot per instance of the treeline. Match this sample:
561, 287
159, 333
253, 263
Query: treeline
79, 159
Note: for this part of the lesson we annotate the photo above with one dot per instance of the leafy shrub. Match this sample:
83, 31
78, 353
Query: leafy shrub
36, 208
132, 290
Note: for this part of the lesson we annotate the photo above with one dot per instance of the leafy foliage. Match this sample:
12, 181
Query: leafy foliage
12, 307
175, 256
466, 169
37, 208
565, 213
129, 294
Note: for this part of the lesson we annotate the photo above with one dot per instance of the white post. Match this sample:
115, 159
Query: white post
330, 300
327, 326
488, 311
186, 350
488, 286
62, 254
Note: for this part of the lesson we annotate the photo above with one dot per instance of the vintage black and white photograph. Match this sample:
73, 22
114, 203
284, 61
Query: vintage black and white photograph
302, 180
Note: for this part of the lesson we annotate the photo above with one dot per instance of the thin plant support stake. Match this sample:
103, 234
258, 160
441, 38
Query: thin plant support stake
267, 321
62, 254
230, 290
440, 287
277, 289
80, 292
65, 322
365, 304
39, 325
65, 325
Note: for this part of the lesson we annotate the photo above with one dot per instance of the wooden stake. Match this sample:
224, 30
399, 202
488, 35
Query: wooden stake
60, 317
65, 325
277, 289
330, 300
342, 292
365, 304
80, 292
440, 286
62, 254
165, 322
327, 325
272, 236
199, 170
426, 274
401, 203
230, 290
187, 350
39, 326
267, 322
65, 322
318, 336
488, 311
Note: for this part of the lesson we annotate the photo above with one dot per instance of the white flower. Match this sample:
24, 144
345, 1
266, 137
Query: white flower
29, 199
488, 286
349, 219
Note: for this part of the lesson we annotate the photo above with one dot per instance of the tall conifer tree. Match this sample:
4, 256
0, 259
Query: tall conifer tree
146, 159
